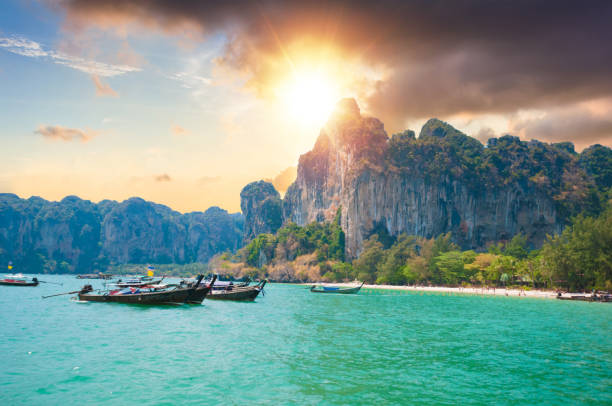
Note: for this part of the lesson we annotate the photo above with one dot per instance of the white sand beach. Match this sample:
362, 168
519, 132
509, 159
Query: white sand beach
535, 293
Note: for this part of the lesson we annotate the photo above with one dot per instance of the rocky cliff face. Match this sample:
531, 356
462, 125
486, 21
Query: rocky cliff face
262, 208
78, 235
441, 181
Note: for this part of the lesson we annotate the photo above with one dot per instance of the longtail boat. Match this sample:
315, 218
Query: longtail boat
145, 295
94, 276
203, 289
18, 280
604, 298
223, 285
238, 293
336, 289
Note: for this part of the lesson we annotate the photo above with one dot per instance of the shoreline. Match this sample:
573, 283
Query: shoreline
534, 293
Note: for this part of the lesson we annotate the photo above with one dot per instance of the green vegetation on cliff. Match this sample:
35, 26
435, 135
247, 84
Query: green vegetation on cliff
326, 240
575, 181
293, 253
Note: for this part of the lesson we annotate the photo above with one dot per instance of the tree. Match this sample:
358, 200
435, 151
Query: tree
337, 239
366, 265
477, 269
581, 256
450, 265
395, 259
343, 271
503, 264
517, 247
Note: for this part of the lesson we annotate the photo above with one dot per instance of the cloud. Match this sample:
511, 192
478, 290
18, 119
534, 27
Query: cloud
583, 124
283, 180
164, 177
472, 56
103, 89
178, 131
59, 133
190, 80
25, 47
484, 134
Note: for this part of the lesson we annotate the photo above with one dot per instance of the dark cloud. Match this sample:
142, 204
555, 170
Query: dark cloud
164, 177
56, 132
442, 58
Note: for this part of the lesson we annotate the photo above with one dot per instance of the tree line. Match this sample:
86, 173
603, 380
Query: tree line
580, 258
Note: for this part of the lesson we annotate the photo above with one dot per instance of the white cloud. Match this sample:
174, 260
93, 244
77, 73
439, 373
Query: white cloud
26, 47
190, 81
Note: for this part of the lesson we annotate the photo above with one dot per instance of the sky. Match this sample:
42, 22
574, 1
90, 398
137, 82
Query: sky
184, 103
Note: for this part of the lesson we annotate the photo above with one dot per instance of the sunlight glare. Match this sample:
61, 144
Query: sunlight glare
309, 97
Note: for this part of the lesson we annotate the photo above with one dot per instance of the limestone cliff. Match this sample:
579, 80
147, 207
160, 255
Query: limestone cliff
261, 207
76, 235
441, 181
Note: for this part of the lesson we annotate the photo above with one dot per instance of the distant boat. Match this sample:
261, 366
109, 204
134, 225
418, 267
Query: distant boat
336, 289
94, 276
136, 282
18, 280
606, 297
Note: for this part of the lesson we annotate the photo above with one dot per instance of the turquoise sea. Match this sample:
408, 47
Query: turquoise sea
295, 347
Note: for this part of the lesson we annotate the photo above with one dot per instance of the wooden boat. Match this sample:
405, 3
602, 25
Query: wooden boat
145, 296
18, 280
335, 289
223, 285
238, 293
203, 289
94, 276
604, 298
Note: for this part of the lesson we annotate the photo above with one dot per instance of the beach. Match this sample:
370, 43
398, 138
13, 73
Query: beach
534, 293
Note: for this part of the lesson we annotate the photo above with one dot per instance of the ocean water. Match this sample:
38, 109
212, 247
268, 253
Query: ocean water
295, 347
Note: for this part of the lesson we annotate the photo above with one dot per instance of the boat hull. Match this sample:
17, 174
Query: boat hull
603, 299
244, 295
175, 296
199, 295
94, 276
339, 291
7, 283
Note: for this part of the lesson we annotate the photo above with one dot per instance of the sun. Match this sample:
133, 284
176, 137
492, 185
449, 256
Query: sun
309, 96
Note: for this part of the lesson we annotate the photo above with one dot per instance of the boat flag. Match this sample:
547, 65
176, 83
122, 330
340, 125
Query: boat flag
10, 265
150, 270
